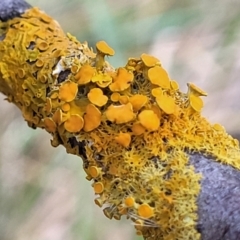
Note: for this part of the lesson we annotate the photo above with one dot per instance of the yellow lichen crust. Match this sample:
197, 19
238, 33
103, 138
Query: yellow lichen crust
132, 126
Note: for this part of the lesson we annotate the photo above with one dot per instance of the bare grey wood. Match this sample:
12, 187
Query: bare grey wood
12, 8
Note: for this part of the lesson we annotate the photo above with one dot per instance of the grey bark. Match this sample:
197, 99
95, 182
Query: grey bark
12, 8
219, 199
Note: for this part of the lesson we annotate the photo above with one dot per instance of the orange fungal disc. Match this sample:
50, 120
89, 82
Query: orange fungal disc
121, 113
149, 120
115, 97
104, 48
74, 123
166, 103
98, 187
158, 76
193, 89
94, 171
50, 125
138, 101
68, 91
149, 61
92, 118
129, 201
85, 74
138, 129
157, 92
196, 102
97, 97
145, 211
123, 139
122, 80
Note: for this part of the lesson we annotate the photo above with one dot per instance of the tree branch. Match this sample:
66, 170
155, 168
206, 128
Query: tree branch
10, 9
145, 146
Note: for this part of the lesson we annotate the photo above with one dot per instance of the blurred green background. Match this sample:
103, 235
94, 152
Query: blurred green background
43, 191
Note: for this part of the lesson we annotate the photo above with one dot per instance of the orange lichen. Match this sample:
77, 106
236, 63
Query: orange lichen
157, 111
149, 61
58, 116
129, 201
174, 85
92, 118
166, 103
195, 90
74, 123
50, 125
149, 120
158, 76
145, 211
66, 107
74, 69
104, 48
115, 97
122, 80
94, 171
134, 159
78, 106
120, 114
123, 139
157, 92
48, 105
102, 79
138, 101
20, 72
218, 127
68, 91
123, 99
85, 74
138, 129
97, 97
54, 95
98, 187
132, 64
43, 46
196, 102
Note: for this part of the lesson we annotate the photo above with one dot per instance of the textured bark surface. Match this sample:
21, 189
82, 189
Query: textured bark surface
219, 199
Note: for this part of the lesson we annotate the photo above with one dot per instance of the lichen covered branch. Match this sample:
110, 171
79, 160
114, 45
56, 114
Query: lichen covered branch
132, 126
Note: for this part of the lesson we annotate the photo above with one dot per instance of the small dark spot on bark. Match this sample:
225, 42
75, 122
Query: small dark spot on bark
98, 157
35, 75
62, 76
225, 231
30, 62
199, 228
2, 37
47, 91
168, 192
165, 140
109, 123
32, 125
168, 175
82, 91
81, 146
31, 45
155, 160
